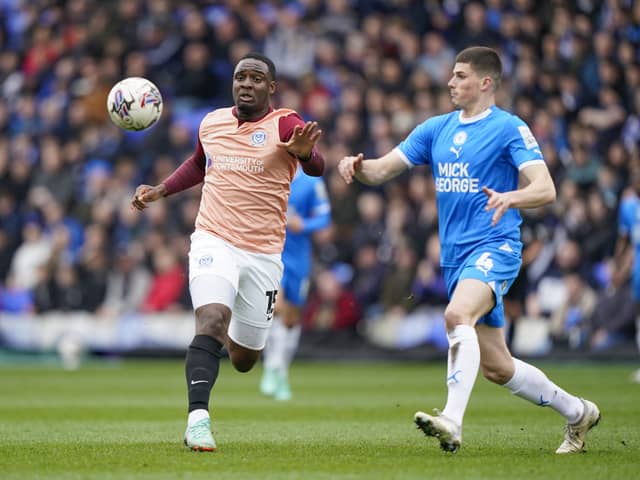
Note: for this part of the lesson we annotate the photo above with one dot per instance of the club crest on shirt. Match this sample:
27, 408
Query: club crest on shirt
259, 138
459, 138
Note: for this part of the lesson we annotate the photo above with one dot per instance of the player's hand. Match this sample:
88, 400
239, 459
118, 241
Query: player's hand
295, 223
146, 194
302, 140
348, 166
500, 202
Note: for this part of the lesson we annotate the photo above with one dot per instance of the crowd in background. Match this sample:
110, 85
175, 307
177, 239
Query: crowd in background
368, 72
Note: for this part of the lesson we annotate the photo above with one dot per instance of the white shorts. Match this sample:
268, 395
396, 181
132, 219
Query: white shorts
245, 282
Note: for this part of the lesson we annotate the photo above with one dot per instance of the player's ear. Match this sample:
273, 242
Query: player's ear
486, 83
272, 87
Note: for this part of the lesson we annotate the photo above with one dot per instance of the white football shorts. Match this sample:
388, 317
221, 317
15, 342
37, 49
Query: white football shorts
246, 282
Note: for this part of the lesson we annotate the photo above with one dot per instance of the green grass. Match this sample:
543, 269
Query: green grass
351, 421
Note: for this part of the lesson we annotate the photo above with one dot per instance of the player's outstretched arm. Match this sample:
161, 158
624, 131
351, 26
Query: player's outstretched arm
188, 174
371, 171
539, 190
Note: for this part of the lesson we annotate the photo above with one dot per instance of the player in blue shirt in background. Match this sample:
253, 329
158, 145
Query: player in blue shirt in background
486, 164
627, 256
309, 211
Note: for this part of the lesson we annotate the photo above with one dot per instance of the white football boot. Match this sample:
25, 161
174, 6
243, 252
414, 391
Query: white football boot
444, 429
575, 434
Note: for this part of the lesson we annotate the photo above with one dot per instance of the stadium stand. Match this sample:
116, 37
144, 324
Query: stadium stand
368, 72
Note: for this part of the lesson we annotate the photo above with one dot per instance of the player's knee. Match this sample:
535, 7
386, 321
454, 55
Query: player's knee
212, 321
453, 317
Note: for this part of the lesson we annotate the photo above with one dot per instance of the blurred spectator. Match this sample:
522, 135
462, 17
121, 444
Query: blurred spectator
368, 72
197, 85
368, 278
166, 283
128, 283
398, 281
429, 286
34, 252
613, 319
290, 45
14, 298
569, 322
331, 305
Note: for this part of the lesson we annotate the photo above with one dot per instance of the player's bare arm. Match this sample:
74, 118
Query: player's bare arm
371, 171
539, 190
302, 140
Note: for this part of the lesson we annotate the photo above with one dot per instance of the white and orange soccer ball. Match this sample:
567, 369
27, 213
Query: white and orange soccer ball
134, 103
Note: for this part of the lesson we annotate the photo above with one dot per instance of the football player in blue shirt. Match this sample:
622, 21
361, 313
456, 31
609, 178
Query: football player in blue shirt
627, 256
486, 164
308, 211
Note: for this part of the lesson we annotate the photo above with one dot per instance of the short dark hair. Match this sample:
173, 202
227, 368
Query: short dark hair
263, 58
484, 61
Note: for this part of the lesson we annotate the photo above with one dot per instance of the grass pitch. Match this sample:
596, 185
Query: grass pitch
346, 421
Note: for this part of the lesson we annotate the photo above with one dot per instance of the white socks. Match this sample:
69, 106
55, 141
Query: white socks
292, 340
281, 345
462, 370
273, 353
532, 384
527, 382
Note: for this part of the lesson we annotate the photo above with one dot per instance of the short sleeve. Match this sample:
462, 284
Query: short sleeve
523, 146
416, 148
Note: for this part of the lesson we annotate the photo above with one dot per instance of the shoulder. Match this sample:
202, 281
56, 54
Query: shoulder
513, 127
442, 119
434, 124
507, 119
285, 113
218, 113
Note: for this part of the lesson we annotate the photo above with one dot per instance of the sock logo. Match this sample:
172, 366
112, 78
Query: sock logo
193, 382
542, 402
453, 377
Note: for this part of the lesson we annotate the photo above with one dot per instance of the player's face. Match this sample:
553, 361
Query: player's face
252, 87
464, 86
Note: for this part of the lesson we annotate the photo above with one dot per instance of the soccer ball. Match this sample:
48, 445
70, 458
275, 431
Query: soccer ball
134, 103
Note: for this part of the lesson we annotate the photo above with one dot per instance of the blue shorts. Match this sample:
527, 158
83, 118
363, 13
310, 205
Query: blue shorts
294, 287
492, 265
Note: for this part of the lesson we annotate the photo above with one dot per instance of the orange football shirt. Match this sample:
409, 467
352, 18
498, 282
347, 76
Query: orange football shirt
247, 180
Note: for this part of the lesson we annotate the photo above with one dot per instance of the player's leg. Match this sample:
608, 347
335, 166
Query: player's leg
203, 356
530, 383
273, 355
254, 308
284, 336
471, 299
291, 327
213, 275
245, 344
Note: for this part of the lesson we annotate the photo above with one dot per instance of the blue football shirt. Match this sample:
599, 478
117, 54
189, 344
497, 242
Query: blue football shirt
308, 200
466, 155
